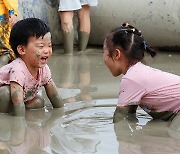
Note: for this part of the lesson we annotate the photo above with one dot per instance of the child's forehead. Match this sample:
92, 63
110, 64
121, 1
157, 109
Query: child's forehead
47, 36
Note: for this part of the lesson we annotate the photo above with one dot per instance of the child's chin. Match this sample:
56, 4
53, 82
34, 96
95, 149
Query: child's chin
115, 74
42, 65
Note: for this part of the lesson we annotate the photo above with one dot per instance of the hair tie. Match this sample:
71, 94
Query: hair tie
126, 24
121, 26
145, 45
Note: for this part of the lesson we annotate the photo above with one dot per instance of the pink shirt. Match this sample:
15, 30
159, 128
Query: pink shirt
17, 71
150, 88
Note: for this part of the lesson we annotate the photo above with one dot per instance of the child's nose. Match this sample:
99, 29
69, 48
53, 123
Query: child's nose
47, 50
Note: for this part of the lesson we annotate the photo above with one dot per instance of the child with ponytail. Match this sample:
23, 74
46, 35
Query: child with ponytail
155, 91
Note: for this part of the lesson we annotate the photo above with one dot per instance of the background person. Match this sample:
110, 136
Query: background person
8, 17
66, 9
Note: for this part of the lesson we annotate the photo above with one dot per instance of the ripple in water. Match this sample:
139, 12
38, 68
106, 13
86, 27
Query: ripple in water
88, 128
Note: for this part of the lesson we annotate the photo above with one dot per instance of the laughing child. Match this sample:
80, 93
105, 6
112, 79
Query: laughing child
21, 79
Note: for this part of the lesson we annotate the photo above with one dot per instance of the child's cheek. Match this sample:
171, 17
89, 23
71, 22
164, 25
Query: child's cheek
38, 53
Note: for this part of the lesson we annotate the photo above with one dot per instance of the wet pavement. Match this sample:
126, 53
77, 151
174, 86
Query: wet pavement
85, 125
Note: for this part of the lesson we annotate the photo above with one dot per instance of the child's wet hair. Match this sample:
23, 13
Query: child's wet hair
130, 41
24, 29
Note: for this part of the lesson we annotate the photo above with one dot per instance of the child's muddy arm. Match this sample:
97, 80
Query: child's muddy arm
132, 113
127, 112
132, 109
53, 95
17, 99
120, 113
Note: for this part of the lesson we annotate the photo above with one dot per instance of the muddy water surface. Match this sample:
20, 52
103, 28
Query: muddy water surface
85, 125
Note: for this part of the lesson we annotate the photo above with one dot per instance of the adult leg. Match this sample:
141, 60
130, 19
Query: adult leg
35, 103
84, 29
5, 99
67, 30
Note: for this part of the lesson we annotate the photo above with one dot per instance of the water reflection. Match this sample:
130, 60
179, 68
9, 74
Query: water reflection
29, 135
80, 130
74, 80
12, 132
153, 137
88, 128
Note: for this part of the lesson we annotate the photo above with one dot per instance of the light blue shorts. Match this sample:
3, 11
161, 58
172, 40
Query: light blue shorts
71, 5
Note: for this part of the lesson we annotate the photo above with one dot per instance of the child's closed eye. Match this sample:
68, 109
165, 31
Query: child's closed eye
40, 46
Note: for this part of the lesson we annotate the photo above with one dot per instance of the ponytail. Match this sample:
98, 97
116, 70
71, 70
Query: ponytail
149, 49
130, 39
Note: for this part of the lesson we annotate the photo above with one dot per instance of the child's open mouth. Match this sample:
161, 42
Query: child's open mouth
44, 59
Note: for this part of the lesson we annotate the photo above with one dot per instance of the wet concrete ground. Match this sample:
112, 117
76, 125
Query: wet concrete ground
85, 125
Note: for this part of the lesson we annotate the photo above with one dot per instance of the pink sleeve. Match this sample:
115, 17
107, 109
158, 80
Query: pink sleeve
46, 76
17, 76
130, 93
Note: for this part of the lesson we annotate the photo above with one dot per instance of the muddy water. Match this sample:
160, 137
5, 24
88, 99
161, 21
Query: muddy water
85, 125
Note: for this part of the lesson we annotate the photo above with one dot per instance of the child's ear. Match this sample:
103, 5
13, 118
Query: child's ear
20, 49
117, 54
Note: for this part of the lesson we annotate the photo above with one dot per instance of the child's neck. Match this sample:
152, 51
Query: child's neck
131, 64
127, 65
35, 74
34, 71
